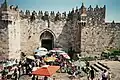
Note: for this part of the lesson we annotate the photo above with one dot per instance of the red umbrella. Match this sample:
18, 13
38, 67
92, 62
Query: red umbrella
46, 70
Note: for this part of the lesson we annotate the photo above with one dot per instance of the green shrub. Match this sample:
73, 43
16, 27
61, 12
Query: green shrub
113, 54
87, 58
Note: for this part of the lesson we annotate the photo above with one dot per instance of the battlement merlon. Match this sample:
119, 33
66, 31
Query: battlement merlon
9, 13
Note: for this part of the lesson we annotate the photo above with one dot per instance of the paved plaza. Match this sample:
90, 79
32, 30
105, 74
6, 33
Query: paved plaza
113, 65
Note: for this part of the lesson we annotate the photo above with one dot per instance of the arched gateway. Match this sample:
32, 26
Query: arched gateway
47, 39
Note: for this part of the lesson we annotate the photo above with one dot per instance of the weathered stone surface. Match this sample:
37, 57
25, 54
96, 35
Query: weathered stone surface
3, 38
9, 32
85, 32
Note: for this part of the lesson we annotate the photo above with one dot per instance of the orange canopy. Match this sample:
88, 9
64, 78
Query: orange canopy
46, 70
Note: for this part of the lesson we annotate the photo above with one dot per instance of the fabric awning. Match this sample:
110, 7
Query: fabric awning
46, 70
35, 68
40, 49
65, 55
50, 59
30, 57
41, 53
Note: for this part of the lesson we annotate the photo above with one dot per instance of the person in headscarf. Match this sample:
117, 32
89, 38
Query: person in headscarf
92, 74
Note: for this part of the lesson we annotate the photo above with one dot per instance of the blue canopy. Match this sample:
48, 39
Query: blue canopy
37, 50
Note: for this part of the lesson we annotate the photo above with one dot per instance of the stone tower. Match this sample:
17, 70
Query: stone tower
9, 31
82, 21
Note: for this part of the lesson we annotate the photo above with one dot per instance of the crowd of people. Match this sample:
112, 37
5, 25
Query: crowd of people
25, 67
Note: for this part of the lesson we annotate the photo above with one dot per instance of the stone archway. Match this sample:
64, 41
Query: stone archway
47, 40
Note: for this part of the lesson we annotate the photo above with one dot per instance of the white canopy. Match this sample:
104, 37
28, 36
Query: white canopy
30, 57
35, 68
65, 55
57, 51
41, 53
41, 49
9, 63
52, 51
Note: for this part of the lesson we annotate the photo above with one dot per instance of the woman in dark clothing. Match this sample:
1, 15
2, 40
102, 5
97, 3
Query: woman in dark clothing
92, 74
45, 78
37, 78
15, 74
33, 78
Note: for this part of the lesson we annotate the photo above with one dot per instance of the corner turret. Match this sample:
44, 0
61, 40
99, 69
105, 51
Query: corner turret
4, 5
83, 15
8, 13
83, 10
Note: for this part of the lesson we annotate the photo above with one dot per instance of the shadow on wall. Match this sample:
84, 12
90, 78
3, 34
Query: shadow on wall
67, 38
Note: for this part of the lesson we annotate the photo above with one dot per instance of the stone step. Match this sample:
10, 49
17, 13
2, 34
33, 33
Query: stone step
100, 68
103, 68
95, 68
101, 64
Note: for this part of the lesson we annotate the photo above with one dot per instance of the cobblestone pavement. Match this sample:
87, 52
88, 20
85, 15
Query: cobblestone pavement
113, 65
57, 76
114, 68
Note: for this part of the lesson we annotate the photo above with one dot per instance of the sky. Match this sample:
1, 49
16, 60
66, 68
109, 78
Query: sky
112, 6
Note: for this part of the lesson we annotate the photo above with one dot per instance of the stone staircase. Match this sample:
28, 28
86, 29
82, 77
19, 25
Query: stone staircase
95, 68
98, 67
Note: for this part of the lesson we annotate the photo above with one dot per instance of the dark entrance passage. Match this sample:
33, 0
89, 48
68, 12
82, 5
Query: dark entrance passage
47, 43
47, 40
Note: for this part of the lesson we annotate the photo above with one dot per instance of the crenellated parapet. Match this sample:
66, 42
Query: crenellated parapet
9, 13
96, 15
93, 15
43, 15
90, 15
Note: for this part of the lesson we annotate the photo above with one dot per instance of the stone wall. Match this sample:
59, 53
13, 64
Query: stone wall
31, 31
9, 31
14, 40
4, 42
96, 39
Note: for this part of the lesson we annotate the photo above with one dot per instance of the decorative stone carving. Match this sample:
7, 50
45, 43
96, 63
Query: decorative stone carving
58, 16
21, 13
32, 18
52, 16
27, 13
11, 7
16, 8
40, 14
46, 15
64, 15
35, 13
